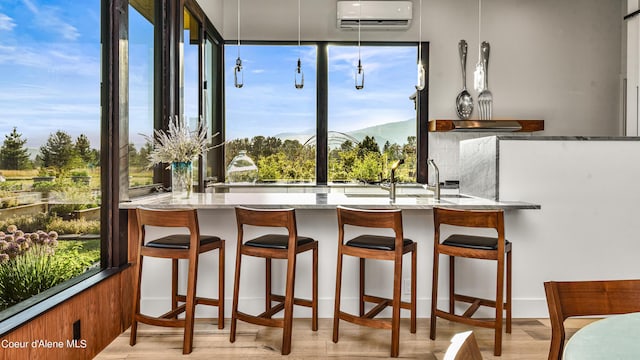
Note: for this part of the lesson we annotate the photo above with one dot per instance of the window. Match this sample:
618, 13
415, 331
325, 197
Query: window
270, 125
161, 87
369, 129
50, 186
212, 109
141, 90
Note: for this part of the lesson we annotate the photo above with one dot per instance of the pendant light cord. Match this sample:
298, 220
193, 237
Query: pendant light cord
238, 28
359, 21
298, 23
420, 36
479, 27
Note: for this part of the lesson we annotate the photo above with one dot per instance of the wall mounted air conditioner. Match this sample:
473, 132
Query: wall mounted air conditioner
374, 15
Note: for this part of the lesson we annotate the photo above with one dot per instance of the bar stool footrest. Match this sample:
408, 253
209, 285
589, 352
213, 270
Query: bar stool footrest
473, 299
377, 300
172, 314
257, 320
152, 320
201, 300
358, 320
465, 320
274, 310
296, 301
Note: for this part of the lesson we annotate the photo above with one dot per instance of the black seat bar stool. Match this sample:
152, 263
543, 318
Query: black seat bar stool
476, 247
274, 246
380, 248
174, 247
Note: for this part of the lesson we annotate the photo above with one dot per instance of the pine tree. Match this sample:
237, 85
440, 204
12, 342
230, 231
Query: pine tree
13, 154
83, 149
368, 144
145, 150
58, 152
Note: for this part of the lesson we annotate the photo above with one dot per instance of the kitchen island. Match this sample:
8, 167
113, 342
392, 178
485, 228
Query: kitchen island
316, 217
584, 227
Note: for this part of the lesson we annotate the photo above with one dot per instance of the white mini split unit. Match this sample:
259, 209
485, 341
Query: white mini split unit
374, 15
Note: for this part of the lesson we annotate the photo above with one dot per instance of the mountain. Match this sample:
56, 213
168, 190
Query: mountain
394, 132
301, 136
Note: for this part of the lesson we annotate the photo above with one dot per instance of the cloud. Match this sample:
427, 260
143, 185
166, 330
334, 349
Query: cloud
47, 17
30, 6
59, 58
6, 23
375, 59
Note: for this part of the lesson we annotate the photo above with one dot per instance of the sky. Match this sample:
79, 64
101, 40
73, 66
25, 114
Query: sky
269, 104
50, 68
50, 78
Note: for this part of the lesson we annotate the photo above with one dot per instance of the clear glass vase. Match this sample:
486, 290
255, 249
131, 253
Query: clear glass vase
242, 169
181, 179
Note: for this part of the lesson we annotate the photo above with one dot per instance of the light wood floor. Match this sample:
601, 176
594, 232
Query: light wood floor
528, 340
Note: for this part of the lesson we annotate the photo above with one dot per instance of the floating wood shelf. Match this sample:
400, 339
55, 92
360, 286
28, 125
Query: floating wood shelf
441, 125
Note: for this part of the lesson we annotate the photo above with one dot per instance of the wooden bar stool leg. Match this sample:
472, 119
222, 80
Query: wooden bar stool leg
314, 296
267, 298
509, 292
336, 307
174, 284
362, 281
288, 304
434, 295
452, 284
136, 301
190, 303
236, 293
221, 286
395, 319
414, 258
497, 347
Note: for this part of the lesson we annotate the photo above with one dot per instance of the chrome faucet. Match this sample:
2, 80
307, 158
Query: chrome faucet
391, 186
436, 186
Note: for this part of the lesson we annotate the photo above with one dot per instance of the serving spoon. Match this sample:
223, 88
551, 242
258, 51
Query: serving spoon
464, 101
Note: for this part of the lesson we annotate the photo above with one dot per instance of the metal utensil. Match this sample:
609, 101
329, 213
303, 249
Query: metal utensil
464, 101
485, 98
478, 74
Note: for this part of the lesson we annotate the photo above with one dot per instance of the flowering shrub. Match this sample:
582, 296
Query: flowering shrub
16, 242
31, 263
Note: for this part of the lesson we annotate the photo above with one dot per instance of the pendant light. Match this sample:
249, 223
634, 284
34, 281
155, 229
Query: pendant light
359, 70
422, 80
238, 74
298, 77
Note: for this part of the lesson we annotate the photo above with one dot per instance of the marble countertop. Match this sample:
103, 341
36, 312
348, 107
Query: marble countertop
565, 138
319, 201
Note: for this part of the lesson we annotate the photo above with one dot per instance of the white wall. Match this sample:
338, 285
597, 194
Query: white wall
215, 11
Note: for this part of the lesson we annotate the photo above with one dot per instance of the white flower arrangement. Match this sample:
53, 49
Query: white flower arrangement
178, 144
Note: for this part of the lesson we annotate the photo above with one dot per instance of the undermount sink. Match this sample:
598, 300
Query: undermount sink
382, 195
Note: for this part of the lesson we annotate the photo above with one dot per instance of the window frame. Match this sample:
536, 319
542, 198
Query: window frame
113, 247
322, 102
319, 97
